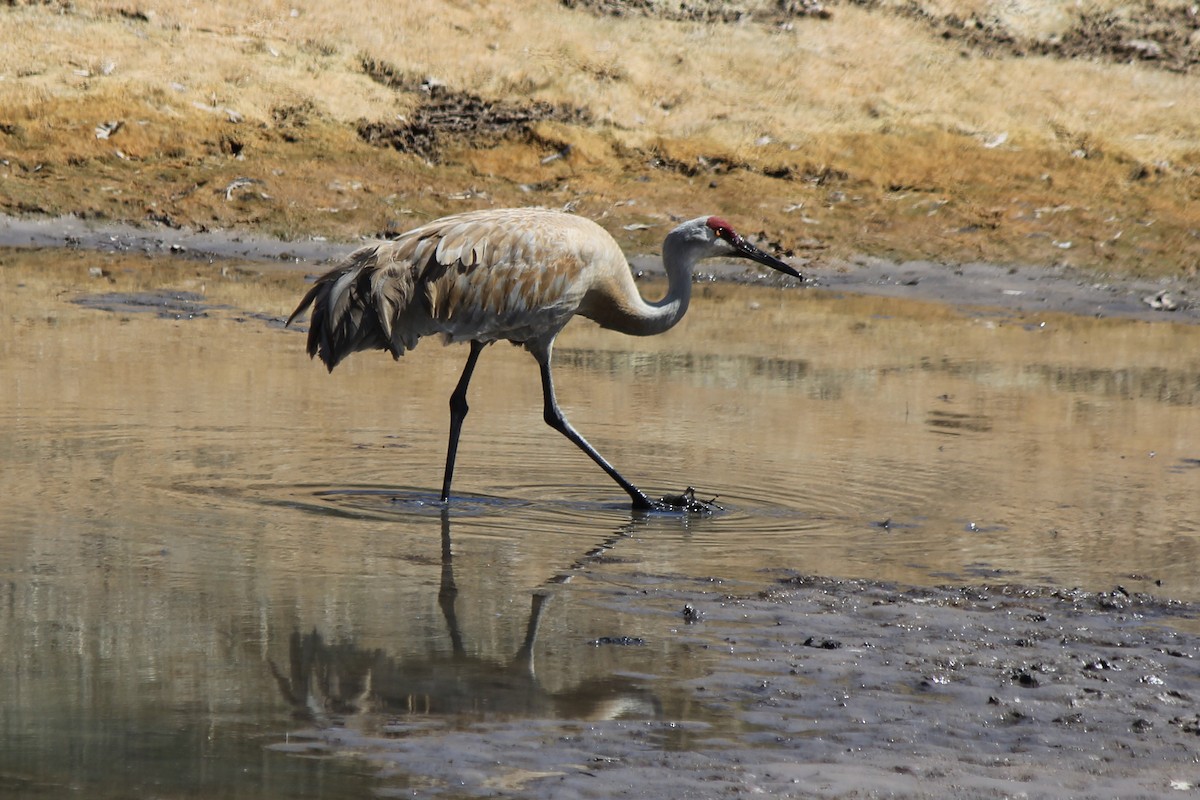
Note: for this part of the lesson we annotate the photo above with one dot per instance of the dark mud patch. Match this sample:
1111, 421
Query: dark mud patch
704, 10
1028, 291
1159, 35
163, 304
446, 116
695, 165
158, 239
1153, 34
817, 687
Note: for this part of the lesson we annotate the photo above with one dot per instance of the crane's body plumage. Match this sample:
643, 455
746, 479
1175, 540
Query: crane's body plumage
515, 274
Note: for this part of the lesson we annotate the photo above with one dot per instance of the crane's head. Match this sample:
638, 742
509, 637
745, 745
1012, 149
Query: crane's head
711, 237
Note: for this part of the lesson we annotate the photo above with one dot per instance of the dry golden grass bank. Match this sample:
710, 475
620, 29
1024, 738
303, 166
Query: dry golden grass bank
929, 130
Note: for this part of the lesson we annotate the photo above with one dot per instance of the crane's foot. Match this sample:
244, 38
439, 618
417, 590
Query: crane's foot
685, 503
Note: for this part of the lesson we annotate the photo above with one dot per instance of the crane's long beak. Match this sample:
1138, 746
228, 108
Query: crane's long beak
744, 249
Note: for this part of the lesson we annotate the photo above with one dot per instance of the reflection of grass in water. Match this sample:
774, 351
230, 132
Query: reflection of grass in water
864, 131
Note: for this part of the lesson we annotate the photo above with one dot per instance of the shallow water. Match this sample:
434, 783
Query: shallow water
210, 548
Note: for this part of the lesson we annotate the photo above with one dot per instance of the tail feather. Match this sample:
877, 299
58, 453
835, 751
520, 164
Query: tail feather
355, 306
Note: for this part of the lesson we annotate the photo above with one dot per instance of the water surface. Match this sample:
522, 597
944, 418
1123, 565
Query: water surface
209, 546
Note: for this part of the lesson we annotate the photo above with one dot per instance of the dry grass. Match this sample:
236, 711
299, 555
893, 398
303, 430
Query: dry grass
867, 131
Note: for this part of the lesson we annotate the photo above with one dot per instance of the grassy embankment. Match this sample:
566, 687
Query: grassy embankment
868, 131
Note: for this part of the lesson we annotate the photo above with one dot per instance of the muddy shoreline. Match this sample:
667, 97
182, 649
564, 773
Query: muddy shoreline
819, 687
1020, 290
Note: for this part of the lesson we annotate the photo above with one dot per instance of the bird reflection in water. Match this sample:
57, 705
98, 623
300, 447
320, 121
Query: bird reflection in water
331, 684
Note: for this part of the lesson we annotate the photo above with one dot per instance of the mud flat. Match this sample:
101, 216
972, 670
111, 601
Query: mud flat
817, 687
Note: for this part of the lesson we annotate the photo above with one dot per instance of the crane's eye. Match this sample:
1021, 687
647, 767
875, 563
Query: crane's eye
721, 229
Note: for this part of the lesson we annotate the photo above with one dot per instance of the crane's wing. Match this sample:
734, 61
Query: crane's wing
515, 274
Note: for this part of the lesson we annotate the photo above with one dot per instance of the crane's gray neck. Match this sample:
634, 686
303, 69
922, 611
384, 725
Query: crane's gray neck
678, 260
661, 315
624, 309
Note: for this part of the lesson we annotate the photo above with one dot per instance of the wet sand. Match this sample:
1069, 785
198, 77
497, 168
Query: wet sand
817, 687
784, 684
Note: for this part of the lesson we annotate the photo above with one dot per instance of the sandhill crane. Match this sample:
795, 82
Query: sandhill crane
518, 274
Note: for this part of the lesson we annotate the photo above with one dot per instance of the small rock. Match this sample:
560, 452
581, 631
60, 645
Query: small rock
1161, 301
995, 141
823, 644
1145, 49
106, 129
619, 641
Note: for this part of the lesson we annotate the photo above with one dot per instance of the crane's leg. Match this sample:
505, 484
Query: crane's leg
555, 419
458, 412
